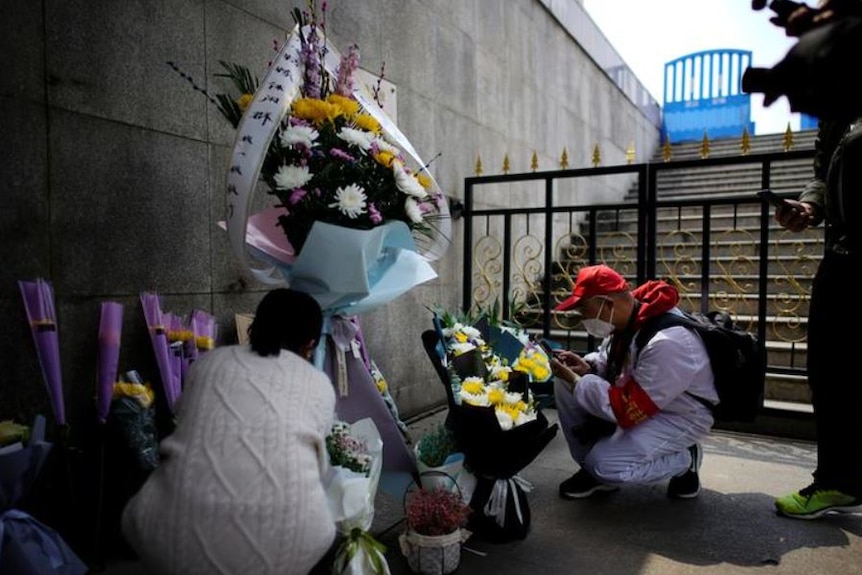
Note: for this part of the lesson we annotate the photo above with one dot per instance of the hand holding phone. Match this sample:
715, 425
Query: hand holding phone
549, 349
772, 198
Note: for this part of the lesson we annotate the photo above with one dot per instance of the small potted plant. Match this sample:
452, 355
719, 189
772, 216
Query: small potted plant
440, 462
435, 520
434, 448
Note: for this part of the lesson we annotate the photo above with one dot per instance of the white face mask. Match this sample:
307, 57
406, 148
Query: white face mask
599, 328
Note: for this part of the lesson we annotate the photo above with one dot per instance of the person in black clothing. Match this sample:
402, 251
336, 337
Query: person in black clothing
831, 197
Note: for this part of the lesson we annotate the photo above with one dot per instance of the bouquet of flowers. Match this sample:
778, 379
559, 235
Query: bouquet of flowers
347, 451
355, 461
495, 375
495, 418
330, 156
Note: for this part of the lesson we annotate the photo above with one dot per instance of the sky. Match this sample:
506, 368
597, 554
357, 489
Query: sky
648, 34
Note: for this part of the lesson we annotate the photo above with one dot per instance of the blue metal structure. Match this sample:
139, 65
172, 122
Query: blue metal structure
703, 94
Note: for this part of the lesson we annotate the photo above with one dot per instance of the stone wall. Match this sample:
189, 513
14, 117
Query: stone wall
114, 168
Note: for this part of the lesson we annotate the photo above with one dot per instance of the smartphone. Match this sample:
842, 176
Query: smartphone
550, 347
772, 198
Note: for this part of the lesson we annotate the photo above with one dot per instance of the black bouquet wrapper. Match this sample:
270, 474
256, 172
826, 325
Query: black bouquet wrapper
495, 456
518, 515
488, 450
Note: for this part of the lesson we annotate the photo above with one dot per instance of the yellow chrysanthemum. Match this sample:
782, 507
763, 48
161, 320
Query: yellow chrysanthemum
244, 101
541, 373
473, 387
367, 123
460, 337
348, 106
503, 374
424, 180
496, 396
384, 158
315, 110
510, 411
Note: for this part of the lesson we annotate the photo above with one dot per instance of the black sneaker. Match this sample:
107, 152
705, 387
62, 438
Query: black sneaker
687, 485
581, 485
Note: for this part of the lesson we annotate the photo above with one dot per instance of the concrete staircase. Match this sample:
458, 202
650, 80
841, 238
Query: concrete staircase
734, 257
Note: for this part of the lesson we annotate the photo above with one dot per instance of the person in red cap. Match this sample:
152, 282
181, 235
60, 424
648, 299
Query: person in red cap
627, 420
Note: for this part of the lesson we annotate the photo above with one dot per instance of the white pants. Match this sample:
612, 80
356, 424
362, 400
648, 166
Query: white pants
652, 451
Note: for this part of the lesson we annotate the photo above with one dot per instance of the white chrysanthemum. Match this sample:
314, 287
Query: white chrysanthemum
480, 400
472, 332
413, 211
385, 146
498, 369
350, 200
504, 419
524, 417
305, 135
408, 183
291, 177
512, 398
450, 331
359, 138
459, 348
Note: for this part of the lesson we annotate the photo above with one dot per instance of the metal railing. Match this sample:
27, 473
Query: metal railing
719, 247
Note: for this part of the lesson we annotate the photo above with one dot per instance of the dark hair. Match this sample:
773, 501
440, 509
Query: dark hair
284, 319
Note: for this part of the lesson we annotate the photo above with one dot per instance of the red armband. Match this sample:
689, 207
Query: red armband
631, 404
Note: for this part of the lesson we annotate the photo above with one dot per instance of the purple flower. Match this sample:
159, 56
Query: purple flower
341, 155
348, 66
297, 196
375, 216
310, 56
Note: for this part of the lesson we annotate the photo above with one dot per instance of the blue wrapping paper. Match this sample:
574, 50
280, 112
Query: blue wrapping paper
29, 547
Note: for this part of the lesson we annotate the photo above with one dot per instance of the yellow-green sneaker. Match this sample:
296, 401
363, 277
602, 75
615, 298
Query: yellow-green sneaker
813, 501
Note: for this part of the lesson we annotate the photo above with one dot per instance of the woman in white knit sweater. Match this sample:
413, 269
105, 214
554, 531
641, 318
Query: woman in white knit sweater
238, 489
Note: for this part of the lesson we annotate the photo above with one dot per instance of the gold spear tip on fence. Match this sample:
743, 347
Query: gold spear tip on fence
745, 142
506, 166
534, 161
630, 153
704, 146
597, 156
478, 169
564, 159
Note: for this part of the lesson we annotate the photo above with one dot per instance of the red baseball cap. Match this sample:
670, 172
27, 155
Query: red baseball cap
593, 281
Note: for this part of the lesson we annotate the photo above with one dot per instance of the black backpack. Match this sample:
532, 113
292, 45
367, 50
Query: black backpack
738, 361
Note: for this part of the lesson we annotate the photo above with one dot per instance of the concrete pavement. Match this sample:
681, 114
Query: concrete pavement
731, 528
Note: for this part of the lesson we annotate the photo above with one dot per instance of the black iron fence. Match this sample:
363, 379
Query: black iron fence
695, 223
